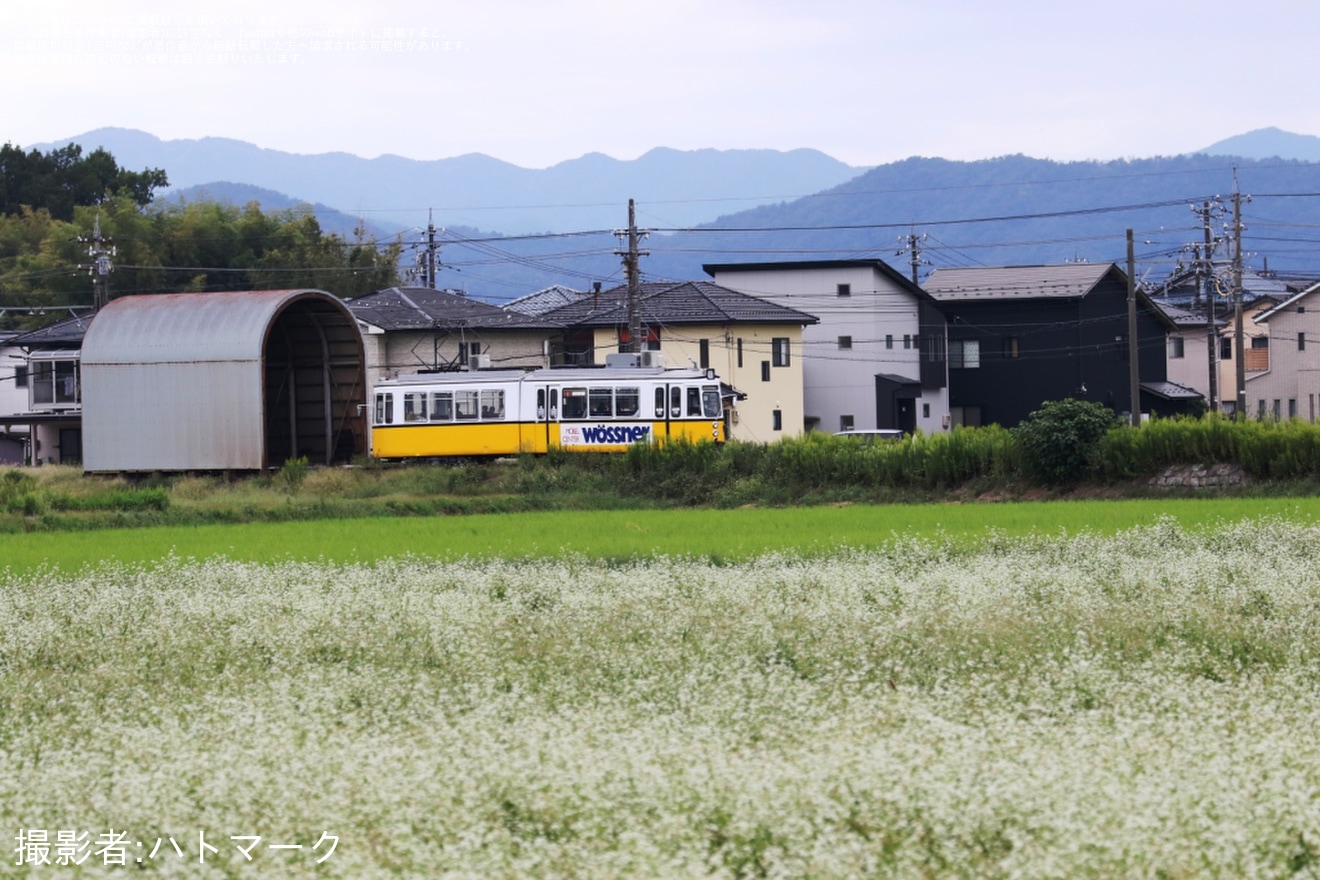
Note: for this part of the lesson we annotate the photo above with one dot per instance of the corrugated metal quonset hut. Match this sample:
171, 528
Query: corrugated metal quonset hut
237, 380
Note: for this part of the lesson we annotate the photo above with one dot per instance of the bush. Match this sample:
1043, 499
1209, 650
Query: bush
1060, 442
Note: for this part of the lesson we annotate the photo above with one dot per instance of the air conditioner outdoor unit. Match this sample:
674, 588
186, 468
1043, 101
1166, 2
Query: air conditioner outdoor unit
479, 362
651, 359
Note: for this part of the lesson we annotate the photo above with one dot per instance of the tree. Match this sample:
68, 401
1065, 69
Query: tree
64, 179
1060, 442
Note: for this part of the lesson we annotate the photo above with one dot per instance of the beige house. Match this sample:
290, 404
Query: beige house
1285, 382
753, 345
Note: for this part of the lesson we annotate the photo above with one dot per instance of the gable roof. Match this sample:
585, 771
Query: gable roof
423, 308
1290, 301
544, 300
677, 302
1067, 281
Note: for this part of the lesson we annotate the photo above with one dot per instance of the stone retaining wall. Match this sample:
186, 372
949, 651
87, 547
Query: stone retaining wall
1198, 476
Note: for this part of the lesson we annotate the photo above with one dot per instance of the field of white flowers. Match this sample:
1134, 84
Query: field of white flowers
1145, 705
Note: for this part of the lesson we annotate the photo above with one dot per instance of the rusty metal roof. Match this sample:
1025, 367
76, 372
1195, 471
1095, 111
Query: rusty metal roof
187, 327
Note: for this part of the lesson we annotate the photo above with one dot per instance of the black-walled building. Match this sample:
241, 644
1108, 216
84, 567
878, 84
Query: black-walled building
1023, 335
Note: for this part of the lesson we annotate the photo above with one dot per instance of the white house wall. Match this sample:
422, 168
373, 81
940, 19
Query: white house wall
13, 398
876, 316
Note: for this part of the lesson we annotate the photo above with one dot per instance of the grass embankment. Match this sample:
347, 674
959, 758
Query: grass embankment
1133, 705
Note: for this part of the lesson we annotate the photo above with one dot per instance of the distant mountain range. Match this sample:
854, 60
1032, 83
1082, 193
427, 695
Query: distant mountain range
478, 192
761, 205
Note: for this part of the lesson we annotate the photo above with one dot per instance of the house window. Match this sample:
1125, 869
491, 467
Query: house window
964, 354
925, 410
1260, 342
1276, 410
765, 371
889, 340
1011, 350
844, 290
1260, 409
704, 347
846, 423
1301, 340
53, 384
907, 341
845, 342
779, 351
740, 352
1225, 348
20, 376
1292, 407
777, 420
1175, 347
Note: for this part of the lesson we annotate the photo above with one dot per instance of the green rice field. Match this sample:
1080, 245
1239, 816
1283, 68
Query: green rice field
1067, 689
717, 535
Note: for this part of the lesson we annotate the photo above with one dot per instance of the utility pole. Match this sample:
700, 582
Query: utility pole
630, 266
1240, 411
100, 250
1134, 372
911, 246
431, 248
1204, 273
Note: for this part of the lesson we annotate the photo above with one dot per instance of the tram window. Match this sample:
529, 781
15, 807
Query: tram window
575, 403
659, 403
602, 402
442, 406
675, 402
414, 406
694, 402
492, 405
710, 401
465, 406
627, 401
384, 409
540, 403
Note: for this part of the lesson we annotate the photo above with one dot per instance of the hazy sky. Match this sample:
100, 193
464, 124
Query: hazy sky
535, 83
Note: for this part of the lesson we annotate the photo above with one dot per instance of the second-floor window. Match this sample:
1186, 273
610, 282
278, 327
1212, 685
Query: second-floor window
964, 354
779, 351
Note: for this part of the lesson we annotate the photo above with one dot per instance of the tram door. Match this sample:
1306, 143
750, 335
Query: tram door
547, 415
675, 409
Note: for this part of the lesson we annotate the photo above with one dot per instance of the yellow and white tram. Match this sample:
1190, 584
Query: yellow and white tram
505, 412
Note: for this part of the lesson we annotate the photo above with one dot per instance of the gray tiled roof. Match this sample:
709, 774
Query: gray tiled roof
421, 308
545, 300
1067, 281
680, 302
1184, 318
